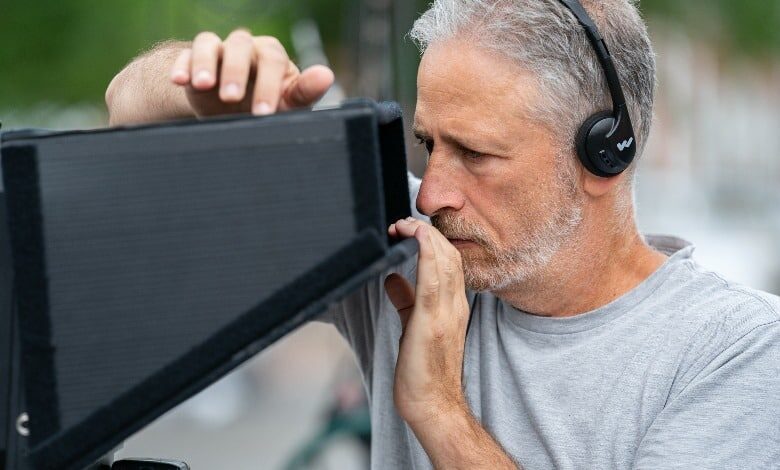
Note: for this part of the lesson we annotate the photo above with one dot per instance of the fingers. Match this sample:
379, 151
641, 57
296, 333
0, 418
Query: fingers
237, 59
246, 73
310, 86
403, 228
401, 294
180, 74
440, 267
428, 279
205, 56
272, 66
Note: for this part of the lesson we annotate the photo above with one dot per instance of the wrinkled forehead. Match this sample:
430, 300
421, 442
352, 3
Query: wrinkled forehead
463, 81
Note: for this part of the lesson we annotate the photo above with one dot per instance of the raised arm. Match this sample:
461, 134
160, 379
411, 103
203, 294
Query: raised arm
209, 76
143, 91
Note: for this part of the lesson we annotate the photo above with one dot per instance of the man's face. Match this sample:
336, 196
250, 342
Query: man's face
496, 185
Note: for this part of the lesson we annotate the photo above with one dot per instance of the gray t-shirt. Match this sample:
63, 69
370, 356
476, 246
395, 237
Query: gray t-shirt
682, 371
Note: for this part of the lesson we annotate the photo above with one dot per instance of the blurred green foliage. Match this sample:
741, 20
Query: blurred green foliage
739, 27
68, 51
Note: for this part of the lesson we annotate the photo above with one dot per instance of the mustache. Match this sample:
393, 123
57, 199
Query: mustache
454, 227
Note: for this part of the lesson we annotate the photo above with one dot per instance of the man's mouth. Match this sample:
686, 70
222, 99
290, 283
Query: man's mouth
458, 242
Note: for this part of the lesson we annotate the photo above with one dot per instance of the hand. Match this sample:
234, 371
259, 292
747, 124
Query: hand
434, 317
245, 73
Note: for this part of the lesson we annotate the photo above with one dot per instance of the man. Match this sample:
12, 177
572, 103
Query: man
537, 326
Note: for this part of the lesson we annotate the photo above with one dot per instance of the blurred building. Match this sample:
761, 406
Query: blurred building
711, 168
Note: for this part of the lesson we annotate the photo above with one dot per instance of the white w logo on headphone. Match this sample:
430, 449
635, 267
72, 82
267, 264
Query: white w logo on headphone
625, 144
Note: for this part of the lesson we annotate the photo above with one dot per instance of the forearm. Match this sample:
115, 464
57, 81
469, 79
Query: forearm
143, 91
455, 440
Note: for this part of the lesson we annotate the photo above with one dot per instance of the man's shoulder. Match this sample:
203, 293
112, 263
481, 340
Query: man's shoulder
718, 320
711, 300
720, 366
695, 296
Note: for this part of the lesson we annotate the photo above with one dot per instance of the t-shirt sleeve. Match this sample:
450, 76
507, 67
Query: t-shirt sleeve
355, 316
728, 415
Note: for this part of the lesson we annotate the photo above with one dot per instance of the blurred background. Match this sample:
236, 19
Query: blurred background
710, 173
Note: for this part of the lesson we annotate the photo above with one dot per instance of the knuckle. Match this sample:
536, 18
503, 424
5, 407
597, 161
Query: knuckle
270, 42
270, 48
273, 55
429, 301
450, 272
438, 334
241, 33
430, 290
233, 71
240, 37
207, 36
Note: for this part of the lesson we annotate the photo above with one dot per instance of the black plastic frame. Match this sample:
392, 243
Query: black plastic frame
369, 253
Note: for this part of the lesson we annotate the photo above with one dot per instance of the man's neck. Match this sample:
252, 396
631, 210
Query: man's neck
594, 267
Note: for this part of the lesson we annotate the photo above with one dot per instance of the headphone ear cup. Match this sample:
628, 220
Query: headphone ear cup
590, 140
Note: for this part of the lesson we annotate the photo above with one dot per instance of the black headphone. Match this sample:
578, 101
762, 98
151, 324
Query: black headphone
606, 143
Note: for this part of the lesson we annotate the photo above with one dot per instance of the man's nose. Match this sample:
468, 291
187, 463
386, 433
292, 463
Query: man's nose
439, 189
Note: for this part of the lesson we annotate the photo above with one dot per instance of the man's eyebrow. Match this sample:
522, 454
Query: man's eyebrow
418, 131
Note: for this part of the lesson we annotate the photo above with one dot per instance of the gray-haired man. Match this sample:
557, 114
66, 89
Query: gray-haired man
586, 344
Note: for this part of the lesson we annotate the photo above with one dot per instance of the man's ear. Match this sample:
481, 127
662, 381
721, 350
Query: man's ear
597, 186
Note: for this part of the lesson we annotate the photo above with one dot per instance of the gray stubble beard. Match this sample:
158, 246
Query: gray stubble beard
500, 267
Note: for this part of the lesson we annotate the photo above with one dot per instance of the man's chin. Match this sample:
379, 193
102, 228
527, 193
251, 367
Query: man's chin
483, 274
476, 276
479, 284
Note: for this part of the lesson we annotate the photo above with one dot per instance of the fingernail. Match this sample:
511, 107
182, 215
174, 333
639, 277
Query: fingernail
203, 77
231, 90
261, 109
410, 219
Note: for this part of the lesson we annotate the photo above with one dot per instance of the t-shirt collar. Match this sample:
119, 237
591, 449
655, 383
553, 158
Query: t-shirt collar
677, 249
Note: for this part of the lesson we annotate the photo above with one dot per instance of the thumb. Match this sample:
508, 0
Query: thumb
401, 294
310, 86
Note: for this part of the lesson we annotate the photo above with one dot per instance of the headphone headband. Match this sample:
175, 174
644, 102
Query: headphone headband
620, 137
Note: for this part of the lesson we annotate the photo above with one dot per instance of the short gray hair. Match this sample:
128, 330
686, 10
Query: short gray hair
543, 37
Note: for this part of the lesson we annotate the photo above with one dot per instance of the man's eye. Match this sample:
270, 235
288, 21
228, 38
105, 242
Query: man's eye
471, 154
427, 143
